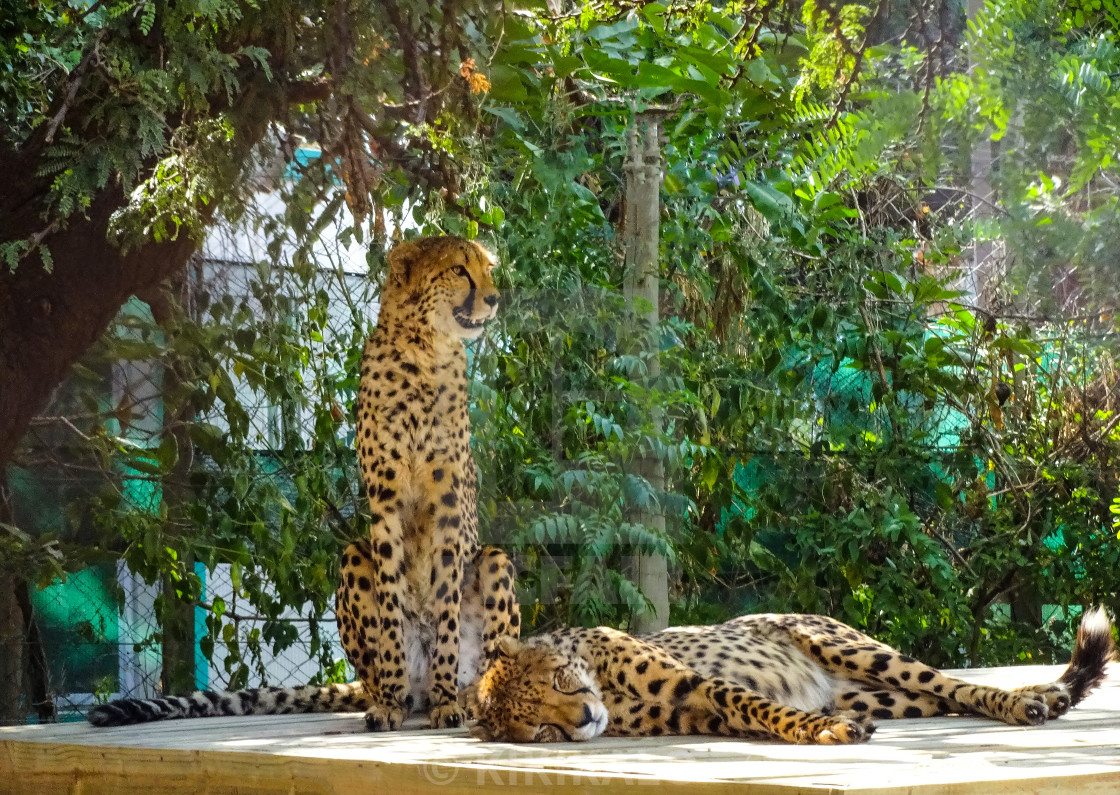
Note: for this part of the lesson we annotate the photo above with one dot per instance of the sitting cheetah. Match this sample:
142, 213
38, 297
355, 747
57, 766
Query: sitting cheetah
420, 604
802, 679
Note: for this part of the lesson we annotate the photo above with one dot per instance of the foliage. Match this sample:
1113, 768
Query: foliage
834, 422
163, 102
842, 429
1041, 90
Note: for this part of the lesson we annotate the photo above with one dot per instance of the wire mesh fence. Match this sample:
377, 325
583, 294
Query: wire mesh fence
96, 632
101, 640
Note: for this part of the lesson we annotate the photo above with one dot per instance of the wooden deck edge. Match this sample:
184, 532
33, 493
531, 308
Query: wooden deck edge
38, 768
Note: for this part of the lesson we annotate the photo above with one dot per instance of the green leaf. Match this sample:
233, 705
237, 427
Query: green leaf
767, 560
759, 72
565, 65
710, 472
612, 70
618, 29
506, 85
654, 14
774, 205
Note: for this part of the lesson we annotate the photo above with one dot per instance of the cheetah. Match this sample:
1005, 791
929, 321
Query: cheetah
400, 609
421, 605
798, 678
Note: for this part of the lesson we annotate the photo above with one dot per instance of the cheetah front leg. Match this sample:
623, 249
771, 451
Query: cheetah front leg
497, 594
387, 677
361, 626
444, 709
745, 712
490, 611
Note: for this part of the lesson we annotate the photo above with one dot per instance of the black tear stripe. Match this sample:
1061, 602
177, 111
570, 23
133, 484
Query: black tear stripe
469, 303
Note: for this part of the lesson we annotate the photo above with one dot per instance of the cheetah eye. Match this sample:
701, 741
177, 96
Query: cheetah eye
577, 692
459, 270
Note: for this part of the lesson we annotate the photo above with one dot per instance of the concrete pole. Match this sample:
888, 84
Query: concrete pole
641, 288
977, 282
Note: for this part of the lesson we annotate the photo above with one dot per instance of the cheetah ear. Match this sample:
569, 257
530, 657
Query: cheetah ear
402, 261
505, 646
468, 698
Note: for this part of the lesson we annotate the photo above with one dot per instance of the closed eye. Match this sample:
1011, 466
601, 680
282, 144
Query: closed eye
578, 692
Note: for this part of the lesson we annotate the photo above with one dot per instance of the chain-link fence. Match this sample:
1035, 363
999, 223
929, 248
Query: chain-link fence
97, 647
95, 634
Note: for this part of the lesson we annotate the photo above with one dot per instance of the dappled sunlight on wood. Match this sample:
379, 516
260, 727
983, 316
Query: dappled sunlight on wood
334, 753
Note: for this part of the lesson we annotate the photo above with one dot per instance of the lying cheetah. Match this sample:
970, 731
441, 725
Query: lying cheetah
802, 679
420, 603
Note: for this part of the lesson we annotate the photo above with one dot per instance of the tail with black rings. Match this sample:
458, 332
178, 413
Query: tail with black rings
350, 697
1091, 653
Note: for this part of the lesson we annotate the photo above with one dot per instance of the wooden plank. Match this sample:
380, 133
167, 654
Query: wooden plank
328, 753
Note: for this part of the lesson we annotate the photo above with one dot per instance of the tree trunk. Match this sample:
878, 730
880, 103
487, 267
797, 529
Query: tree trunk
178, 614
49, 319
1026, 606
178, 674
38, 674
641, 284
12, 641
12, 646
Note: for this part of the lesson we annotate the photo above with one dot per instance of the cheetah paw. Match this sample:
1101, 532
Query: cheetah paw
1056, 697
845, 730
1027, 709
384, 717
447, 716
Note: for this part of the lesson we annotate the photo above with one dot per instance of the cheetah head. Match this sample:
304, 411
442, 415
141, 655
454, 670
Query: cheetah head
449, 280
533, 694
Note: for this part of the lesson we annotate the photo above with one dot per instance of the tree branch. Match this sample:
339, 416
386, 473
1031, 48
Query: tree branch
856, 55
308, 91
76, 78
410, 52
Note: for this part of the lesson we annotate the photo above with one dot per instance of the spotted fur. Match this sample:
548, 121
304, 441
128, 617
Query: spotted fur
420, 604
798, 678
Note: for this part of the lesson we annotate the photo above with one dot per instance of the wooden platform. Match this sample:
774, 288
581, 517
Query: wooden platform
332, 753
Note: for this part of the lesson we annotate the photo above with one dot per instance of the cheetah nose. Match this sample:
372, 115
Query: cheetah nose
491, 300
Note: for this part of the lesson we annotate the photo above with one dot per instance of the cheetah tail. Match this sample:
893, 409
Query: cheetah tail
216, 703
1091, 653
